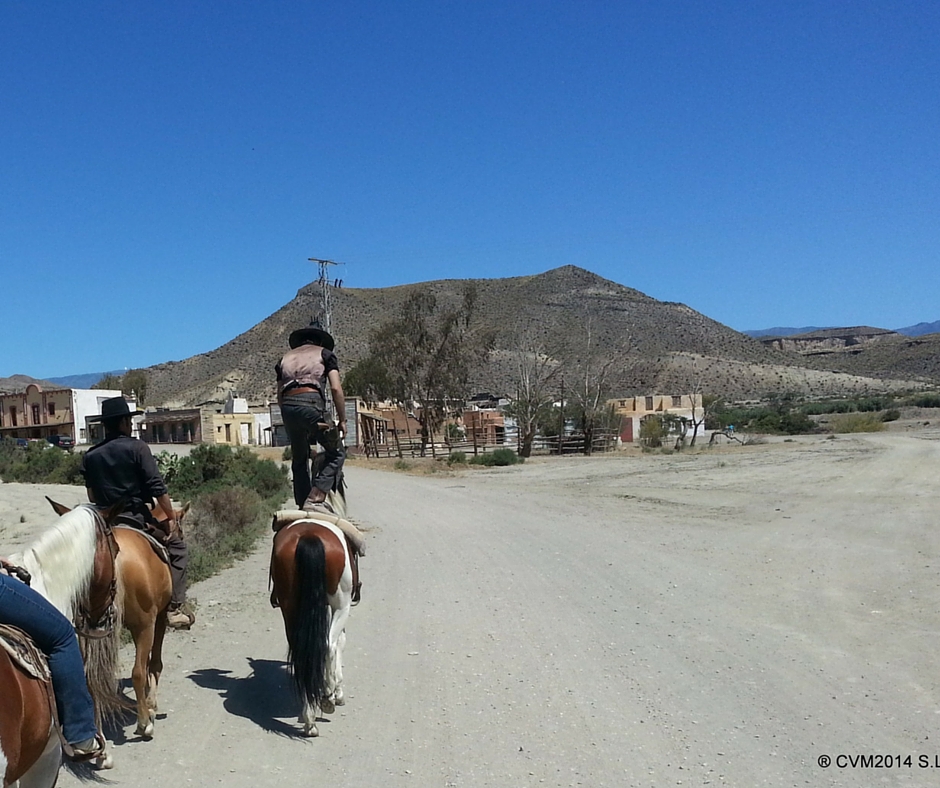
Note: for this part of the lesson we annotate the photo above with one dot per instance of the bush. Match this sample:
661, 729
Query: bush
857, 422
499, 457
457, 458
891, 415
926, 401
211, 468
38, 463
651, 432
222, 527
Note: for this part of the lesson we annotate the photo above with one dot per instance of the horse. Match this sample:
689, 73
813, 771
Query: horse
60, 565
312, 578
30, 749
142, 597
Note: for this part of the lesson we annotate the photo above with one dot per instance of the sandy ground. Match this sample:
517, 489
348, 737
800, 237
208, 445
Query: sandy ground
719, 618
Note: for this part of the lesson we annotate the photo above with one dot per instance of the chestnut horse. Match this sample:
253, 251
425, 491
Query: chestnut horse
141, 596
61, 567
312, 577
30, 750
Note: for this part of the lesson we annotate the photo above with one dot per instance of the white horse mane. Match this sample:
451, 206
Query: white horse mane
62, 560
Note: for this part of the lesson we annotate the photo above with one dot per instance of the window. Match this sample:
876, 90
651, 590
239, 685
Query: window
35, 410
13, 416
52, 409
228, 433
676, 401
649, 403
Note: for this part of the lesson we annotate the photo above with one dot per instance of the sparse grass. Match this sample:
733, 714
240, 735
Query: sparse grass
857, 422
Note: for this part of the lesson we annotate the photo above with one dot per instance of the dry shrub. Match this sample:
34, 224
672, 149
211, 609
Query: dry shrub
857, 422
222, 527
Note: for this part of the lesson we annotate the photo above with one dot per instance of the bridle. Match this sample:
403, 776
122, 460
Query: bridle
98, 622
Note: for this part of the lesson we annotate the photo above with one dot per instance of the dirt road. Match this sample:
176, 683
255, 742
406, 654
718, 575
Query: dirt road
718, 618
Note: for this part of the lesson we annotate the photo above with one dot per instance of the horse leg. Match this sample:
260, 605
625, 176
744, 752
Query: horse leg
308, 717
334, 678
339, 696
143, 643
156, 659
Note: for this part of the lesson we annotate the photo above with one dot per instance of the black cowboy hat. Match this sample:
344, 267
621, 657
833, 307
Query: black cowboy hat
116, 408
311, 335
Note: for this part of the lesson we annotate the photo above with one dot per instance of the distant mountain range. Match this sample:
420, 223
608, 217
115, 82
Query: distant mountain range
918, 330
84, 381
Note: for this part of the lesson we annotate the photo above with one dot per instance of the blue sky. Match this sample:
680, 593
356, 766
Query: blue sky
166, 169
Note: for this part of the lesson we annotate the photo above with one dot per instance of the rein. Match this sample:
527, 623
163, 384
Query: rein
99, 623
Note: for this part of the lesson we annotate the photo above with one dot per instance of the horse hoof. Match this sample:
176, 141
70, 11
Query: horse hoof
105, 762
327, 706
145, 730
340, 700
310, 731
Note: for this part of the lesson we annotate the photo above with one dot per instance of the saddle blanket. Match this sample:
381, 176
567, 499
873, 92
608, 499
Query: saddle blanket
24, 652
155, 543
286, 517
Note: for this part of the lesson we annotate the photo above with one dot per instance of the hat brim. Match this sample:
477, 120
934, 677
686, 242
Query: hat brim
317, 336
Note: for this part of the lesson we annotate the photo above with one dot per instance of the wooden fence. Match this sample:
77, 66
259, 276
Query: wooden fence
474, 445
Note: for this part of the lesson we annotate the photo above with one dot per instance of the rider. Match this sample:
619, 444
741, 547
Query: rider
302, 376
26, 609
123, 468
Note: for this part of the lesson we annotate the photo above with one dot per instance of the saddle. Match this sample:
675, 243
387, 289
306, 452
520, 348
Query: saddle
158, 547
25, 653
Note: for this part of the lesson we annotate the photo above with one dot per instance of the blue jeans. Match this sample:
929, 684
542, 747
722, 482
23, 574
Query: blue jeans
28, 610
301, 414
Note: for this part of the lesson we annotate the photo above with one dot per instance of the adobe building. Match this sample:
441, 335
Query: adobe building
633, 410
38, 413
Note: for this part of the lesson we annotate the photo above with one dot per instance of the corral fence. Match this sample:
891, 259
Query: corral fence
482, 442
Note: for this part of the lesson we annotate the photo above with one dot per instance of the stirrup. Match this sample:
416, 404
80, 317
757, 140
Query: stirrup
356, 594
81, 755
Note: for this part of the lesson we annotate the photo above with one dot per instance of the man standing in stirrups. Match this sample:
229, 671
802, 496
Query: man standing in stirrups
303, 375
122, 468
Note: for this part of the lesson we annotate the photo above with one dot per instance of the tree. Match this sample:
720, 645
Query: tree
109, 381
536, 374
591, 383
135, 385
424, 356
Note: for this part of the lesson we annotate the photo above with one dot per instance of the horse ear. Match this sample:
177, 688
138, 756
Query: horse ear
59, 508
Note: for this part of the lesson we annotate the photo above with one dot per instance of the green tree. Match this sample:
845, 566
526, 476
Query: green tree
424, 356
111, 382
134, 385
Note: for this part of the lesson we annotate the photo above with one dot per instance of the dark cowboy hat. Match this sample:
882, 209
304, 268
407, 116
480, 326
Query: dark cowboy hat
311, 335
116, 408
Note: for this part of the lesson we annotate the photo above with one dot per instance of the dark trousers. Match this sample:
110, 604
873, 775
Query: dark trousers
26, 609
302, 413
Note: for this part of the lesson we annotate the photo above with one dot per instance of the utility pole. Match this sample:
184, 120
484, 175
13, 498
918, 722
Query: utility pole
326, 306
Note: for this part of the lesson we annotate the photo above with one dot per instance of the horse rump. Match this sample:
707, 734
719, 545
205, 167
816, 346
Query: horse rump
309, 644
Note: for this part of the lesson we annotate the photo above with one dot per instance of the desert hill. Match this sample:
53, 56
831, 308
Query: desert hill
663, 346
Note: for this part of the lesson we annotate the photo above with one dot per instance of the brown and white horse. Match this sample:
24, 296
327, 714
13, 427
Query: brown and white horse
141, 597
62, 566
312, 577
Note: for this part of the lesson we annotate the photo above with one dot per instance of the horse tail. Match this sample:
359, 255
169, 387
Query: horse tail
310, 636
101, 655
